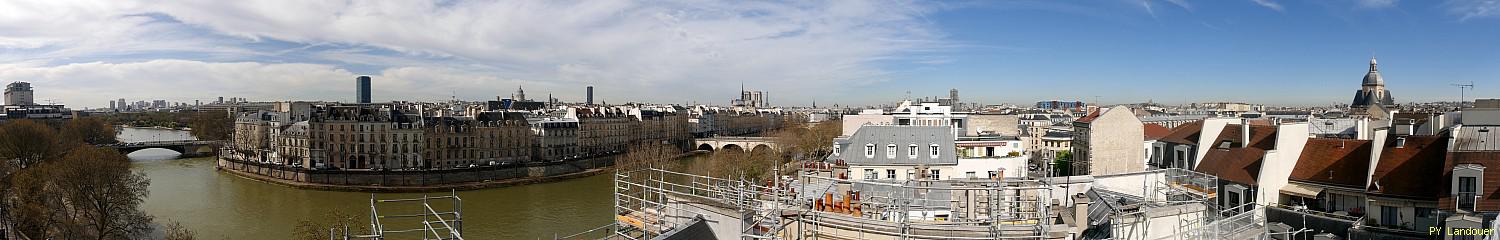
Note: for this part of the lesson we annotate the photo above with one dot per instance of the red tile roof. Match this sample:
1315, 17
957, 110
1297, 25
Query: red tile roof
1407, 171
1336, 162
1154, 131
1262, 137
1090, 117
1489, 200
1186, 133
1239, 165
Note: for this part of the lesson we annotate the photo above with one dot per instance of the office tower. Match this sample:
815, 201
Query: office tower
18, 93
362, 91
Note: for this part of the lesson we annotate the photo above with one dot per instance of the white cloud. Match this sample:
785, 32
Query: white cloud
1270, 4
95, 84
1376, 3
1467, 9
689, 49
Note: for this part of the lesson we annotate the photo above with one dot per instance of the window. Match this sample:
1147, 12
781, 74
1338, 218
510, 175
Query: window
869, 150
890, 173
1466, 193
993, 175
1422, 212
934, 150
1389, 216
836, 150
870, 174
911, 151
970, 175
890, 151
936, 175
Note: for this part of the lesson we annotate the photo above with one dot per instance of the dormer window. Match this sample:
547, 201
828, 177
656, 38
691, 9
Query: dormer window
1400, 142
869, 150
911, 151
933, 151
890, 151
836, 149
1467, 185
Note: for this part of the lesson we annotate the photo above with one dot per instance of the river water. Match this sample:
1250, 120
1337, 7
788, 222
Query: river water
225, 206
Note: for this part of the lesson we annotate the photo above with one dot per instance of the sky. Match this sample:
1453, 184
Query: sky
849, 52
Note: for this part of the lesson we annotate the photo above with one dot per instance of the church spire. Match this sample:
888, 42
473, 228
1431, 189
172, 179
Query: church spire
1372, 64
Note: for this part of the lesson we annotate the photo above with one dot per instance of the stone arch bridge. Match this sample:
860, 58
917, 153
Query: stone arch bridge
188, 148
746, 144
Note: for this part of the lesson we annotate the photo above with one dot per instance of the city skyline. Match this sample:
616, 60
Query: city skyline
1298, 53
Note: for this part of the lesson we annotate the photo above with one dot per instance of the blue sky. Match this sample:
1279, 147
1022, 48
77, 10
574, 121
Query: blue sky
1280, 52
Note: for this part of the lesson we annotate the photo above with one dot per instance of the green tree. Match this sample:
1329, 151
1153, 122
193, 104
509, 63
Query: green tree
212, 125
1063, 163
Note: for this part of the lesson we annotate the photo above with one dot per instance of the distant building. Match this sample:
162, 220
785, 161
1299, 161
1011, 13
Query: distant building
1055, 104
589, 99
1108, 141
362, 89
898, 153
18, 93
1372, 90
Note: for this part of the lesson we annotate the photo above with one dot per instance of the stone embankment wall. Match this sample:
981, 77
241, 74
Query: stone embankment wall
413, 181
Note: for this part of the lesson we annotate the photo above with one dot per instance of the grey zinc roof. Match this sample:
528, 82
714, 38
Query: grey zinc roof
903, 137
1476, 138
1481, 116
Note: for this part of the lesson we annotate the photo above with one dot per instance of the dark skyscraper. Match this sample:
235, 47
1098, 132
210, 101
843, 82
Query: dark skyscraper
362, 89
590, 93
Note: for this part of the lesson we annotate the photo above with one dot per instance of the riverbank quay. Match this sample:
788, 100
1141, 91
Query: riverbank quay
481, 177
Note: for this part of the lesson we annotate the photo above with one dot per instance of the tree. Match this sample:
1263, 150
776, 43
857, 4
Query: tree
1063, 165
212, 125
88, 130
754, 165
103, 194
332, 223
28, 142
647, 155
175, 231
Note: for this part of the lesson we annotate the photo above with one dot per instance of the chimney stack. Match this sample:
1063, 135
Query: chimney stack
1244, 132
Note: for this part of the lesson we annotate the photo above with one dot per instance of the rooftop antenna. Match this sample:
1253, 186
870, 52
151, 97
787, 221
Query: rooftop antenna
1461, 87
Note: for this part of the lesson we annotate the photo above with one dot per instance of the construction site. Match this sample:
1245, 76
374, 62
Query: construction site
1156, 204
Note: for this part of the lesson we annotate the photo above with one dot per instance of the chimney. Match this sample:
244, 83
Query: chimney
1244, 132
1437, 124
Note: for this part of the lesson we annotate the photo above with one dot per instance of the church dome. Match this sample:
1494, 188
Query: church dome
1373, 77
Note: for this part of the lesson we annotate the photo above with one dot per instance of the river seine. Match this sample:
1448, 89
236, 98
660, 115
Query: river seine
224, 206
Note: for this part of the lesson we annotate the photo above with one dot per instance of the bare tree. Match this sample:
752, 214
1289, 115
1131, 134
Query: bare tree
89, 130
331, 225
212, 125
103, 194
175, 231
648, 155
28, 142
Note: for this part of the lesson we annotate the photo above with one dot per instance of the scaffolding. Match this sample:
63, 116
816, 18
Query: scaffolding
440, 223
1187, 200
655, 203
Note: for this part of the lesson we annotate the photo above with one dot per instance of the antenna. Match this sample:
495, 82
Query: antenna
1461, 87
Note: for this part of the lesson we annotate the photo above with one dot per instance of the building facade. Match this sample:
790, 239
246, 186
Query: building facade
1107, 142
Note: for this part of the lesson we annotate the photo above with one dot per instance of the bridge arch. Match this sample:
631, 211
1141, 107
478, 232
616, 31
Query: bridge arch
733, 146
761, 149
706, 147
